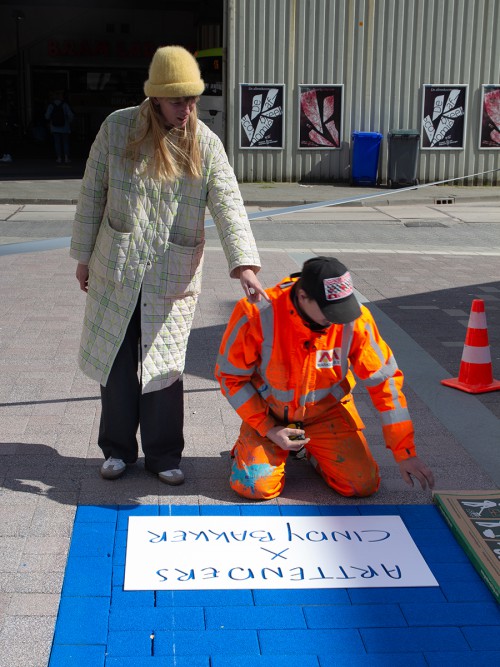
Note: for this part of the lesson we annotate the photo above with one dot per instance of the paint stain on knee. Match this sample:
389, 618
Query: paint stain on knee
250, 475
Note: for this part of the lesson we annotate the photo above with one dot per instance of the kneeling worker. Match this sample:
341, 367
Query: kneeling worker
286, 366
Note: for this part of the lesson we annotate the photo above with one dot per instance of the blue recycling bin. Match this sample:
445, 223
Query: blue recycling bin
365, 155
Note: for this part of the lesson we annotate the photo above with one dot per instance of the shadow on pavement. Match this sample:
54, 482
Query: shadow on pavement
433, 319
39, 470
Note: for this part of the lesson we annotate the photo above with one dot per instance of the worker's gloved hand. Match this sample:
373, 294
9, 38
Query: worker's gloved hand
280, 435
414, 467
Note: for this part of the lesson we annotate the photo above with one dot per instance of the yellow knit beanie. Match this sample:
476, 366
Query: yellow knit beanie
173, 72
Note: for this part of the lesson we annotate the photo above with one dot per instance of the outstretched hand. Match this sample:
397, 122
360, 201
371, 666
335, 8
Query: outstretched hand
414, 467
251, 285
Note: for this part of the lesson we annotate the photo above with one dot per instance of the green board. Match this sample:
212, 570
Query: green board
474, 518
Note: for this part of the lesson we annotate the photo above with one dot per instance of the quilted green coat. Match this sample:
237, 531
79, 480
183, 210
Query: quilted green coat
142, 235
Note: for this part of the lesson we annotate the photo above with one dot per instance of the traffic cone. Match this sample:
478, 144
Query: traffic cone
476, 371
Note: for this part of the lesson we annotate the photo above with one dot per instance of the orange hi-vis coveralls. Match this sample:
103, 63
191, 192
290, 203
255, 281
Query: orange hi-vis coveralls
271, 364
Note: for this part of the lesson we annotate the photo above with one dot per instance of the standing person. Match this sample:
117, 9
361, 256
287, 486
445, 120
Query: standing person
287, 368
138, 237
60, 116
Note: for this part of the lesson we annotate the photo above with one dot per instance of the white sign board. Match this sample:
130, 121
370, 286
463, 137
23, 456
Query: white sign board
234, 552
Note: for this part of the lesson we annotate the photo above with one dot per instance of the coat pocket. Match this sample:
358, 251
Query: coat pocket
110, 256
181, 271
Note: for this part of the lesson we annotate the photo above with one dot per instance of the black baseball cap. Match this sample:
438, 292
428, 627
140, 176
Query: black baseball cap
329, 283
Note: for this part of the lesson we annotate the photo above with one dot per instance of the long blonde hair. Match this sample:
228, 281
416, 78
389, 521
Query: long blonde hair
176, 151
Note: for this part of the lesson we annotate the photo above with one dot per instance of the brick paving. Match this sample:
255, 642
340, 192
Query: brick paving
100, 624
49, 463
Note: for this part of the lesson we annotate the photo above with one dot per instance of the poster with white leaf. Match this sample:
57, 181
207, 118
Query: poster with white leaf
236, 552
261, 115
444, 110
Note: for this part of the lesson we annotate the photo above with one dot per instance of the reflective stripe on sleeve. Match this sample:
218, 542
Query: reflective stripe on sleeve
224, 364
267, 324
241, 396
395, 416
398, 413
384, 373
374, 345
228, 368
396, 399
347, 335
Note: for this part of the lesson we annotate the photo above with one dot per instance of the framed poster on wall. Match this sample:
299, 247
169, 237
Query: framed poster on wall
444, 110
261, 115
489, 131
320, 116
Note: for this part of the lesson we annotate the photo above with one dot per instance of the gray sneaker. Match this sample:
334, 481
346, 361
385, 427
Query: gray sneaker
173, 477
113, 468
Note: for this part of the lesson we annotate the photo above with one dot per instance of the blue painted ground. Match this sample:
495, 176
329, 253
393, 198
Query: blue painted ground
100, 625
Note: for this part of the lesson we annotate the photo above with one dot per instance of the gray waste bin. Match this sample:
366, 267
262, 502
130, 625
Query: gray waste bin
403, 158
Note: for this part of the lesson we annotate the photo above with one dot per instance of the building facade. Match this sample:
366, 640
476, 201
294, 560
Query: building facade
384, 62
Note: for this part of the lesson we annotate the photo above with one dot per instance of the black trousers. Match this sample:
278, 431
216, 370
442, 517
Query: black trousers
159, 414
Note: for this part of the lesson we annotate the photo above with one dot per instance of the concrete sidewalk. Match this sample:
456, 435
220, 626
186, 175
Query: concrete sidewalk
62, 187
49, 460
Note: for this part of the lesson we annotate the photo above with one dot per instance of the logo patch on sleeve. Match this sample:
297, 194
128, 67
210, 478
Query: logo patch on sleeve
328, 358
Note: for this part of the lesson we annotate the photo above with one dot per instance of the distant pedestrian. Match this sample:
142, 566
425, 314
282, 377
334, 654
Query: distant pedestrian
60, 116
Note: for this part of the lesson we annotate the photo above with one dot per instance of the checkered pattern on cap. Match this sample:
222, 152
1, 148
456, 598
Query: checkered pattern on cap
329, 283
339, 287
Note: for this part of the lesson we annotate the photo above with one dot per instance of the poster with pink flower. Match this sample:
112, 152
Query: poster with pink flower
489, 136
320, 117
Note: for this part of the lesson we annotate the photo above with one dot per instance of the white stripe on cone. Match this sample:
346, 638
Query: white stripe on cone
476, 355
477, 320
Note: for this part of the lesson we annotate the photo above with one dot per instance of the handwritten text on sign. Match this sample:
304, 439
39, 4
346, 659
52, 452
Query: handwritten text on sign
224, 552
